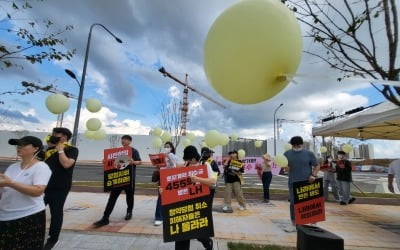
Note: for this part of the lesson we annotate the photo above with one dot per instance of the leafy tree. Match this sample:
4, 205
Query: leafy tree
30, 45
359, 38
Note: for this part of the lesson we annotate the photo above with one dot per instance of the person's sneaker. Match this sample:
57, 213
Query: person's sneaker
157, 222
225, 208
352, 200
266, 201
241, 208
102, 222
290, 229
343, 203
50, 244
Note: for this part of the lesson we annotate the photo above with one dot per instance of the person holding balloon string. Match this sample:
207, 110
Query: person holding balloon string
233, 169
171, 160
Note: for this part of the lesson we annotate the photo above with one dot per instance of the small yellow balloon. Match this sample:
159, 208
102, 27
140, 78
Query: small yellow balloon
166, 136
93, 124
347, 148
186, 142
99, 134
287, 147
241, 153
191, 136
281, 160
323, 149
57, 103
258, 144
157, 131
250, 48
234, 137
89, 134
212, 138
157, 142
93, 105
203, 144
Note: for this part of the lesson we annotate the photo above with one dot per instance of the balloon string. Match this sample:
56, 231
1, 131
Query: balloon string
290, 77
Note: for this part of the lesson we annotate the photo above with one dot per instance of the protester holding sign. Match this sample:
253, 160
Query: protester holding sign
302, 166
344, 178
233, 169
170, 162
133, 160
191, 158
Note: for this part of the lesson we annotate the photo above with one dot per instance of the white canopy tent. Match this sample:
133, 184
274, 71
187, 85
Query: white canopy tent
379, 122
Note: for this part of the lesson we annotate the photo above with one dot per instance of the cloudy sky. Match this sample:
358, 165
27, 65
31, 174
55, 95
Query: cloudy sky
125, 76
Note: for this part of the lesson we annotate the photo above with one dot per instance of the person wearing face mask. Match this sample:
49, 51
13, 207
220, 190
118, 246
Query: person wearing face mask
61, 158
171, 161
22, 209
330, 178
302, 166
192, 158
344, 178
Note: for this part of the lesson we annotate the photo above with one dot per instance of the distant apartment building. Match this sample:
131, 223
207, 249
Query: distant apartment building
362, 151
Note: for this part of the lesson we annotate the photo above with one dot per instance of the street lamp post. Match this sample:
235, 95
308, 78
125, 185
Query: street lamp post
280, 105
82, 83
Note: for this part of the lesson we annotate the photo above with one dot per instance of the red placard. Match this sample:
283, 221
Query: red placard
113, 153
177, 185
158, 160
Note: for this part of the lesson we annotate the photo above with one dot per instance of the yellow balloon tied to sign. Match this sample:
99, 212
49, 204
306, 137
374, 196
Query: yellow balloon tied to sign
157, 142
166, 136
93, 124
323, 149
249, 48
241, 153
93, 105
157, 131
281, 160
57, 103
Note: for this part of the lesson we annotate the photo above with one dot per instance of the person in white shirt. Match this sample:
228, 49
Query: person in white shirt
171, 161
22, 208
394, 171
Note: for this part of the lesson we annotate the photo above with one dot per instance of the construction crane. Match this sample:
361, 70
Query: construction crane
185, 102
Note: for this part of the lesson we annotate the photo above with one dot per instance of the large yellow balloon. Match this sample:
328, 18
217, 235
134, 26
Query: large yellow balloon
281, 160
234, 137
249, 48
57, 103
212, 138
323, 149
93, 124
93, 105
347, 148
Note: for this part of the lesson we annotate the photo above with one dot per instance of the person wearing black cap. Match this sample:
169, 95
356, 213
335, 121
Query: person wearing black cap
192, 158
302, 166
61, 158
344, 178
206, 156
22, 209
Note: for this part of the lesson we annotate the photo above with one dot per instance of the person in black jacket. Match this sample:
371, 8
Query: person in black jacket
344, 178
61, 158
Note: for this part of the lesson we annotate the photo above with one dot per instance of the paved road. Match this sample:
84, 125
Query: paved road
366, 181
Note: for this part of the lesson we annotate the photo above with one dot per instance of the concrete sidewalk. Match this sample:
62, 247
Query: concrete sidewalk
362, 226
